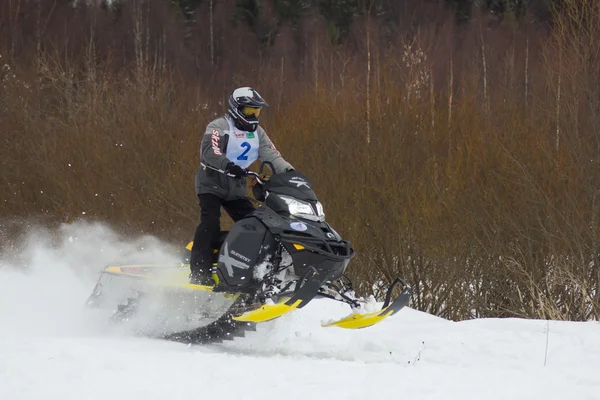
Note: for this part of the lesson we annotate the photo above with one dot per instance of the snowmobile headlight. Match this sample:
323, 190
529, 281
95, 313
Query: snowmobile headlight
302, 209
320, 211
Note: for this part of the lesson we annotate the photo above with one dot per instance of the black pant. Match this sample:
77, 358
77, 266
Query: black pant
207, 234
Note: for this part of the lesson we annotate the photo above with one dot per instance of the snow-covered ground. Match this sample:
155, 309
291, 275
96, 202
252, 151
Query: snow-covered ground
52, 348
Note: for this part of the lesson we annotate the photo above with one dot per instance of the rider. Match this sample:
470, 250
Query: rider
230, 145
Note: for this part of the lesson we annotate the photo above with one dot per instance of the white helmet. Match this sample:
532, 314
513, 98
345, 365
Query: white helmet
244, 108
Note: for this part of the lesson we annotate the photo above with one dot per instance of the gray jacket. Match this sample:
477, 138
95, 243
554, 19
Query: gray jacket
213, 150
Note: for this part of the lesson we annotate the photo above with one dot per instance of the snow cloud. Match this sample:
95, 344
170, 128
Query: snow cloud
46, 276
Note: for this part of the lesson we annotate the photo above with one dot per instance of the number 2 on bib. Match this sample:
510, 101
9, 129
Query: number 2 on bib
247, 147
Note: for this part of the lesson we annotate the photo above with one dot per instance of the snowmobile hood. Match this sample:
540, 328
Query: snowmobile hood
291, 184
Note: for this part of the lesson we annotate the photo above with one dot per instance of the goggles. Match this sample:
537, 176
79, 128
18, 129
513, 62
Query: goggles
251, 112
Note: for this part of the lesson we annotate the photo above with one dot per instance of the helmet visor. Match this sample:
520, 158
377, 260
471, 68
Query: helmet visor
251, 112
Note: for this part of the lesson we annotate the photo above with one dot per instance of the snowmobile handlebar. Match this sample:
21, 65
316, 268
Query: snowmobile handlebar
260, 178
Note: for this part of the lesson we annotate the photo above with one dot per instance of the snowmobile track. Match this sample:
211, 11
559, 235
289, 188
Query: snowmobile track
217, 331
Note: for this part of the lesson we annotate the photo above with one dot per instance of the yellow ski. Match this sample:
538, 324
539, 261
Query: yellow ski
268, 312
357, 321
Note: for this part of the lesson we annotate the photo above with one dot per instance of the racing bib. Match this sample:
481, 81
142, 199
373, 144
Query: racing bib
242, 147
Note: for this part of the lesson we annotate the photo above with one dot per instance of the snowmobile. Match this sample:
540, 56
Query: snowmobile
270, 263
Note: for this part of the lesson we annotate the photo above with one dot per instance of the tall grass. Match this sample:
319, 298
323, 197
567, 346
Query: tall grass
467, 162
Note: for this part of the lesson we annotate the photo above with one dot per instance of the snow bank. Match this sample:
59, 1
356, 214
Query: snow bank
51, 348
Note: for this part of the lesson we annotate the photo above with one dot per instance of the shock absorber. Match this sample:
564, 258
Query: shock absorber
271, 283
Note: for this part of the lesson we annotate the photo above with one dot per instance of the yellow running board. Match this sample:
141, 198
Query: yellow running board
267, 312
357, 321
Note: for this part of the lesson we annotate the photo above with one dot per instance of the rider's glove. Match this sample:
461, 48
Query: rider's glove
235, 170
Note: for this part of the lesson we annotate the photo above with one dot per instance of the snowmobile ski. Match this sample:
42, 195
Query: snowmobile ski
358, 320
267, 312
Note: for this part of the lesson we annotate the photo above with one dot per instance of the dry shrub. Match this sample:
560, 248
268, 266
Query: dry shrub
472, 173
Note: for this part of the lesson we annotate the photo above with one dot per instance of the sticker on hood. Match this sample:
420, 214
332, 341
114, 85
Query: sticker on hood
299, 226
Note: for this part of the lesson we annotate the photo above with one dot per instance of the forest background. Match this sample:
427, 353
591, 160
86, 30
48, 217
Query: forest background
455, 143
